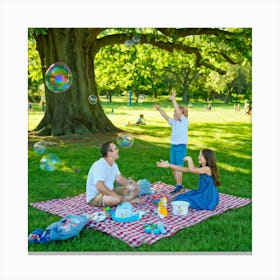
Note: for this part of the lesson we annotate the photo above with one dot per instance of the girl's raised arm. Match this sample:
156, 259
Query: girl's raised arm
166, 164
190, 169
197, 170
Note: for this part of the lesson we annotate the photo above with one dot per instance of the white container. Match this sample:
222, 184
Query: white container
180, 208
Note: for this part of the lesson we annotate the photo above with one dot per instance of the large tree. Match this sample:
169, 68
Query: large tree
70, 112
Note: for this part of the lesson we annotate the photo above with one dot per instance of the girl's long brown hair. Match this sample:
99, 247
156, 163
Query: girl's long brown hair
211, 162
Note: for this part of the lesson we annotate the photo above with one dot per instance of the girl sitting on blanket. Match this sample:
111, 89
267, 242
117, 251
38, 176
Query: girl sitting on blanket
206, 197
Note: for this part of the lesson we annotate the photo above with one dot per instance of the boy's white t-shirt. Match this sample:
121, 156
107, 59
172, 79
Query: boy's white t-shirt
100, 171
179, 134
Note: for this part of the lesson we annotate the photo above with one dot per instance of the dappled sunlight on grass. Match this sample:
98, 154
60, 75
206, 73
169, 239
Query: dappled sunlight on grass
229, 134
233, 168
230, 137
240, 155
34, 119
148, 139
122, 113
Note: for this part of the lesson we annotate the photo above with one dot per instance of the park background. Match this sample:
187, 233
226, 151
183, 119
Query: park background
268, 115
210, 68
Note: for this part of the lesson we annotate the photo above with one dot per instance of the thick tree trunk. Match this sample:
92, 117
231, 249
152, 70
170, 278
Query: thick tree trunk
70, 112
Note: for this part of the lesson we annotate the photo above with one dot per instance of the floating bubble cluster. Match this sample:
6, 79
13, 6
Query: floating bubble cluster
133, 41
58, 77
49, 162
125, 140
136, 40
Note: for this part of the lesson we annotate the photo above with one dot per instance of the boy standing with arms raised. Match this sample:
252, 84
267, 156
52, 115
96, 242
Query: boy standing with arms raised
178, 139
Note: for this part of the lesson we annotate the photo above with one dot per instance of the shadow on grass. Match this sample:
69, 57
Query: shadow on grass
231, 143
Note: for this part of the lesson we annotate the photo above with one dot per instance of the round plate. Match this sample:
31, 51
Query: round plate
98, 216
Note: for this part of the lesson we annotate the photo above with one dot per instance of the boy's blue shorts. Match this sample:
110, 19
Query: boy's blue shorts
177, 154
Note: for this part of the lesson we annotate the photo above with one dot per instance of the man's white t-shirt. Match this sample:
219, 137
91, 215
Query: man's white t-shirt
179, 134
100, 171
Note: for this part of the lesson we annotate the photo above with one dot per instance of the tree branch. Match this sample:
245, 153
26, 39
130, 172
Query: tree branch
183, 32
157, 41
226, 57
212, 67
145, 39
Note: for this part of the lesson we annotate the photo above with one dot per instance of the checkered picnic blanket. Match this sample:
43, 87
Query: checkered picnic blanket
133, 232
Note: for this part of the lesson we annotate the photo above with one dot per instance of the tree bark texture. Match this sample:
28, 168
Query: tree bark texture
70, 112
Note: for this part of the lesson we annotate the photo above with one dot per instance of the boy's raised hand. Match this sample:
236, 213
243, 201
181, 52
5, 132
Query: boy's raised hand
173, 95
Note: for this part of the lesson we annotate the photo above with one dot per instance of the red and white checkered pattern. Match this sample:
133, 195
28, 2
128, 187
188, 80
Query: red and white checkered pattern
133, 232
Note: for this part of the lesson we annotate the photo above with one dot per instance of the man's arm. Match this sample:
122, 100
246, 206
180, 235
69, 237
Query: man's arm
132, 187
101, 187
124, 181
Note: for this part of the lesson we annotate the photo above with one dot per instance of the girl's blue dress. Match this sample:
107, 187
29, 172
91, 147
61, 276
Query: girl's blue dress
206, 197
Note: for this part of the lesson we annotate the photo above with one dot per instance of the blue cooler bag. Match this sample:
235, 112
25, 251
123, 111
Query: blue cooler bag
67, 227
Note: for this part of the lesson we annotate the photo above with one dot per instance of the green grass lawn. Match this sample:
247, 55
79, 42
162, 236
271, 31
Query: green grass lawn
228, 133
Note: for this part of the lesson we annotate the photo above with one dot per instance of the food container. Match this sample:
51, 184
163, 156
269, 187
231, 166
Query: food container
180, 208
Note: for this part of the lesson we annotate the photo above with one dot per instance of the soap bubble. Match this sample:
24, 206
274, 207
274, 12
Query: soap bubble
58, 77
125, 140
39, 148
49, 162
134, 41
92, 99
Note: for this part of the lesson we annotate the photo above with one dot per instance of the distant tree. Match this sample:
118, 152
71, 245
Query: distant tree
35, 78
183, 69
242, 84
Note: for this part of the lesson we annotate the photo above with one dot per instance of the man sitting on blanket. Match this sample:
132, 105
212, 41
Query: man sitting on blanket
100, 190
